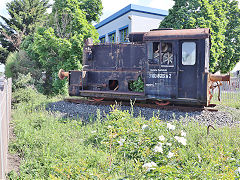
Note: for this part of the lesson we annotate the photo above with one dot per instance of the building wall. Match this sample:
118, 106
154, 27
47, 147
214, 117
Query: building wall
142, 22
115, 25
136, 21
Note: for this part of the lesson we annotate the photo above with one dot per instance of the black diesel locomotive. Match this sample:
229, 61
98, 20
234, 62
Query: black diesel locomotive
173, 64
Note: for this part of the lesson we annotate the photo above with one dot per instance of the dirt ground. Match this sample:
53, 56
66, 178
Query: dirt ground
13, 159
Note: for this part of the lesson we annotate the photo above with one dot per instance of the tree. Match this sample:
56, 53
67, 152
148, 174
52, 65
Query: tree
60, 45
92, 9
25, 16
221, 16
231, 55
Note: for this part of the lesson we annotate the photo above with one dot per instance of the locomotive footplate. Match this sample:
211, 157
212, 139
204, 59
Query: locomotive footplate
113, 94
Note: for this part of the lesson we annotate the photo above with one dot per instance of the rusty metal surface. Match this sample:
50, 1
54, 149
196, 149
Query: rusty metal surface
215, 81
215, 78
62, 74
177, 34
108, 69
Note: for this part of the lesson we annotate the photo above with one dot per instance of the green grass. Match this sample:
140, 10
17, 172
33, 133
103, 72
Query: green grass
227, 99
117, 147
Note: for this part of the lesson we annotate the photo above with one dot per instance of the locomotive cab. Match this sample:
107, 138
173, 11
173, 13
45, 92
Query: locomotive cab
177, 66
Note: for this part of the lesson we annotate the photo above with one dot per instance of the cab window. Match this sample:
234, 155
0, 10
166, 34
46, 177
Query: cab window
166, 53
188, 53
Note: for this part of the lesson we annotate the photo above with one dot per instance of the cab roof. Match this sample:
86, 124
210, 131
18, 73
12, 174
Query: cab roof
157, 35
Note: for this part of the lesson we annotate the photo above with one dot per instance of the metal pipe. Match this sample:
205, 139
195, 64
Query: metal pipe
215, 78
62, 74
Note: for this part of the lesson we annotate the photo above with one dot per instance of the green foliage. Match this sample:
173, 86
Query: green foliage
231, 54
25, 16
221, 16
138, 85
60, 47
23, 71
11, 63
3, 54
26, 95
92, 9
119, 146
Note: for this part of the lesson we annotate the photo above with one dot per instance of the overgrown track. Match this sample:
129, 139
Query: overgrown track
146, 104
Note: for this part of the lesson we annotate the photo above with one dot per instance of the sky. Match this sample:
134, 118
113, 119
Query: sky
112, 6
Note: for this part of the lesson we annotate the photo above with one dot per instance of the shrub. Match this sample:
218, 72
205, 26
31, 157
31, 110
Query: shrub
137, 86
23, 70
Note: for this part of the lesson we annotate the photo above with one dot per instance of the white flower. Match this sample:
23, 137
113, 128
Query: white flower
181, 140
145, 127
170, 154
238, 170
170, 126
110, 127
161, 138
199, 158
168, 144
149, 166
121, 141
183, 133
158, 148
94, 131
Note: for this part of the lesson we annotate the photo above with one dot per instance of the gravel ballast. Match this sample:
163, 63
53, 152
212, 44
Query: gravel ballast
86, 112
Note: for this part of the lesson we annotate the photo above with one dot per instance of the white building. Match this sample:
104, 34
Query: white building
132, 18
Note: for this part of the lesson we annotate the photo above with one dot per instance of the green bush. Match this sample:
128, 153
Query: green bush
29, 98
137, 86
11, 64
23, 70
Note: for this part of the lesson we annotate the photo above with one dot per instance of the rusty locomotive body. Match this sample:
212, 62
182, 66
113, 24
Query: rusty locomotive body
173, 64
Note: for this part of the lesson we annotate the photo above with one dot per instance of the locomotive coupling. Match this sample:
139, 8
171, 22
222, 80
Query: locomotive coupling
215, 78
215, 82
62, 74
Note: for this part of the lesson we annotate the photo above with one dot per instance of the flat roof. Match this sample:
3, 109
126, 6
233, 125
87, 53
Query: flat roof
132, 7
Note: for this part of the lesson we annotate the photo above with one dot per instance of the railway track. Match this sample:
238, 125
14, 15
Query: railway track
147, 104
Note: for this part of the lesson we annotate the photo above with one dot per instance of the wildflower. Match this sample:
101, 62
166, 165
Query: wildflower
158, 148
150, 166
145, 127
183, 133
170, 154
199, 158
238, 170
121, 142
161, 138
168, 144
110, 127
181, 140
94, 132
170, 126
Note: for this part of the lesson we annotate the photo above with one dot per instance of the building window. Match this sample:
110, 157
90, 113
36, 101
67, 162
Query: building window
189, 53
123, 34
112, 36
102, 39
